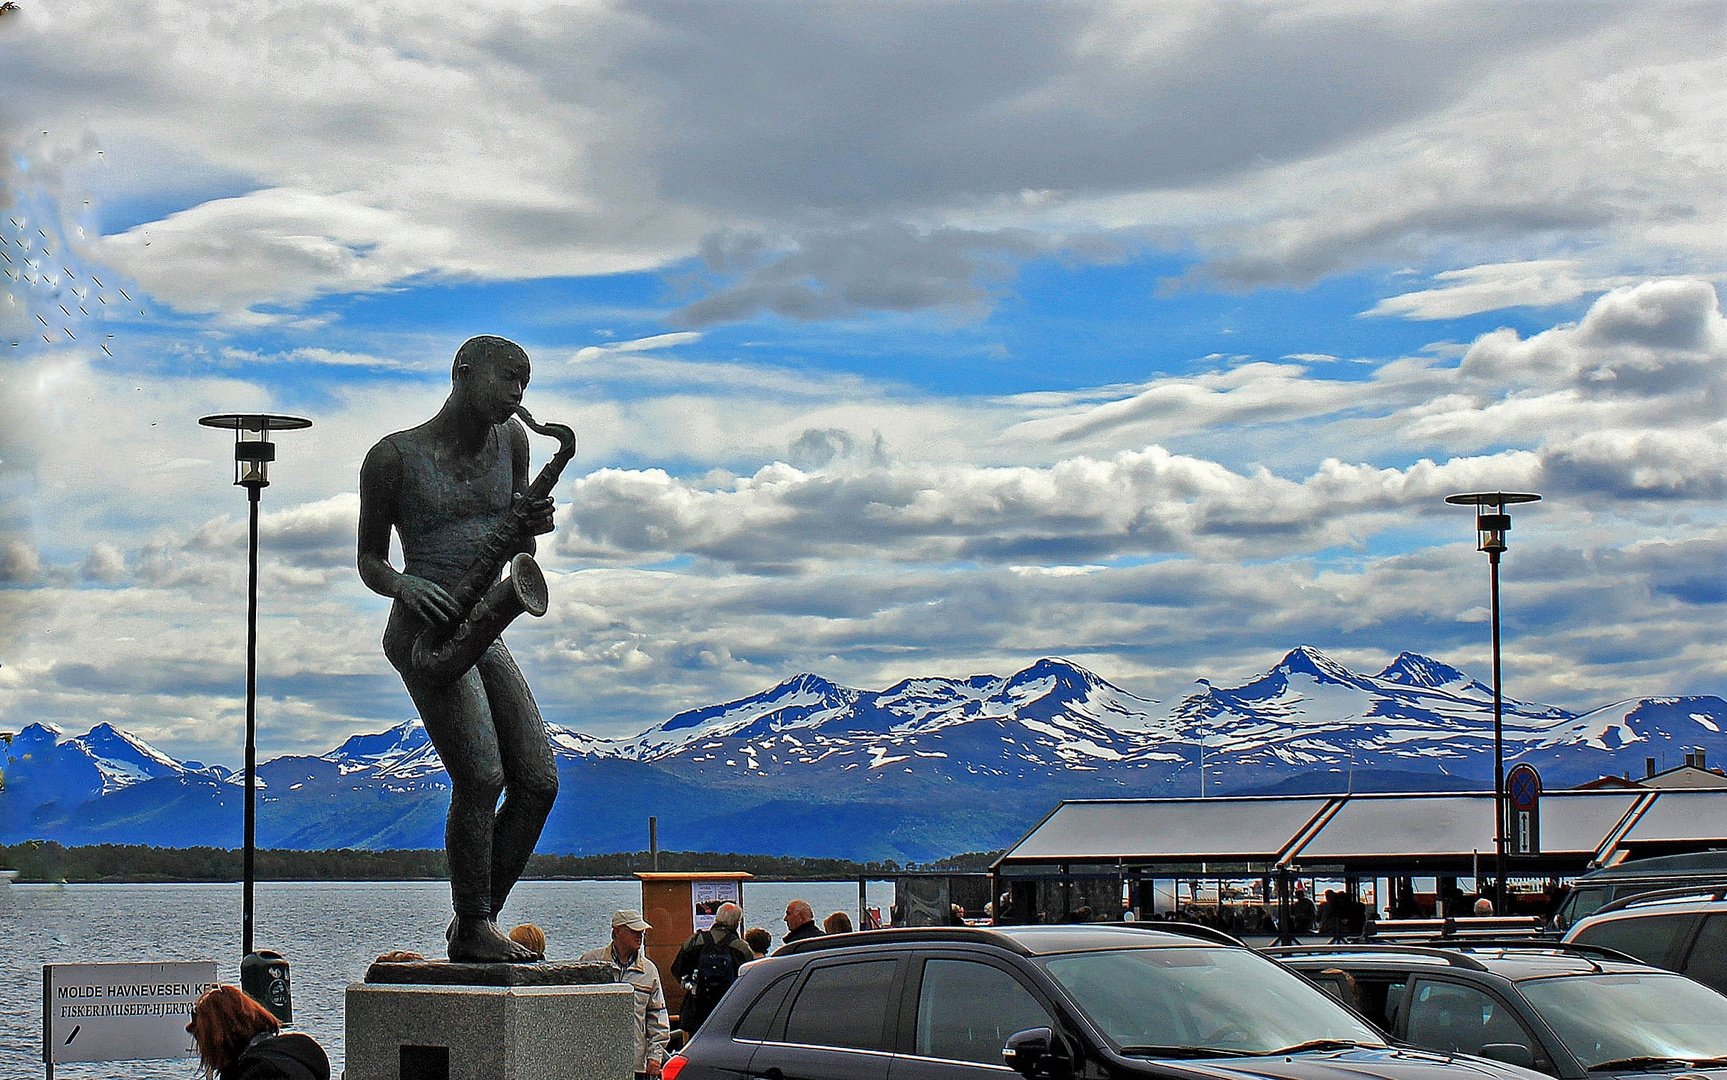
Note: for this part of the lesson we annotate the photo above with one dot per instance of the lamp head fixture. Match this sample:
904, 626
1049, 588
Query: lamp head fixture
253, 450
1492, 521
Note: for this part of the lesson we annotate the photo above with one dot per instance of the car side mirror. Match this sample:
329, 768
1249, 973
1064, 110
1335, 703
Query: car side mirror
1037, 1054
1510, 1054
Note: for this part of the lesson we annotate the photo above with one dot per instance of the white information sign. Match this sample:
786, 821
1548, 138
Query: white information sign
707, 896
120, 1012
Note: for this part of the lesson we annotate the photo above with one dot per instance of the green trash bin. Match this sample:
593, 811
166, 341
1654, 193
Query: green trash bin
264, 977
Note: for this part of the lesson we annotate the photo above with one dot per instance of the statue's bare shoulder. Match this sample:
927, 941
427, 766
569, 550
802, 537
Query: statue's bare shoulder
381, 473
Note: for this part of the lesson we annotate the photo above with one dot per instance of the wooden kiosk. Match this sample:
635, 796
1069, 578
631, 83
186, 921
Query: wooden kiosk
676, 905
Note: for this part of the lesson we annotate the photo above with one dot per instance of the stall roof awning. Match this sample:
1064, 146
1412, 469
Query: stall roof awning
1582, 821
1170, 830
1453, 826
1698, 816
1577, 827
1418, 825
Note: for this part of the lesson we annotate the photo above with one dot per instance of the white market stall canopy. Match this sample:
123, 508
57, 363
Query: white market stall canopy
1169, 830
1258, 834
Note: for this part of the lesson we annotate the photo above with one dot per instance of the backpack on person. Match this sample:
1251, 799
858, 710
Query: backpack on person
712, 973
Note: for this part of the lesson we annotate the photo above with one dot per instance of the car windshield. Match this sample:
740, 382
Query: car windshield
1632, 1017
1188, 1001
1582, 903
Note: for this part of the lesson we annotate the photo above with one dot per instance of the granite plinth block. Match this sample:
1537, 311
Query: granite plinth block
399, 1031
449, 973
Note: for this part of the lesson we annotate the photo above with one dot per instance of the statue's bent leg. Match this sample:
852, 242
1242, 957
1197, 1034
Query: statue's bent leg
530, 773
458, 718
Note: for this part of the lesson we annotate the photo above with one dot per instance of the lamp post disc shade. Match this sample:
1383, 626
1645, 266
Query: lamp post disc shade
255, 422
1493, 498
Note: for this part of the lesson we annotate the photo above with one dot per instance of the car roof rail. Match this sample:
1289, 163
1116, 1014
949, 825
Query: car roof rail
901, 934
1188, 929
1302, 952
1002, 938
1702, 893
1457, 927
1600, 952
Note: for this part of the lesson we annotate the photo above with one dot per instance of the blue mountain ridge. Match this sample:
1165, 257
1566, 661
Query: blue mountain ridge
926, 767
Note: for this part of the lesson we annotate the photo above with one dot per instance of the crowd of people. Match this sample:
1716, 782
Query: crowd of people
706, 965
1339, 915
238, 1039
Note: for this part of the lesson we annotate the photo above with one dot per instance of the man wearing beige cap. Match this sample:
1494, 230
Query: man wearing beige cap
630, 964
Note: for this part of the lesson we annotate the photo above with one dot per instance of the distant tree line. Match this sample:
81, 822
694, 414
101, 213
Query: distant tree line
971, 860
47, 861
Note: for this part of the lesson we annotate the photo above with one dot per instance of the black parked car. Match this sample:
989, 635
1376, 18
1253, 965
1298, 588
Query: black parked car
1571, 1011
1055, 1002
1597, 889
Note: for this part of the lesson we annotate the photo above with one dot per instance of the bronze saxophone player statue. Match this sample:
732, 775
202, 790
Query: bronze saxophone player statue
456, 491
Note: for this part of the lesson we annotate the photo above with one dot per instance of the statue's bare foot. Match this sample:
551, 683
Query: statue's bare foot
450, 930
479, 941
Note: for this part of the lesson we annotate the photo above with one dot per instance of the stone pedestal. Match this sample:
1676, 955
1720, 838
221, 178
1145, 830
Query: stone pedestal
535, 1022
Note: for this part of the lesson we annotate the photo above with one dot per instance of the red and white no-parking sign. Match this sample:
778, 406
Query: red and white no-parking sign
1523, 810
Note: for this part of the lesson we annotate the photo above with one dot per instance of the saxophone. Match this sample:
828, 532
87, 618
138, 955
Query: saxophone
444, 654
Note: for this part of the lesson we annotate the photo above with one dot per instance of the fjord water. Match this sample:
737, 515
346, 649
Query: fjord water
329, 931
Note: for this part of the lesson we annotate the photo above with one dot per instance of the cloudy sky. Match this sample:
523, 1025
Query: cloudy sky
910, 338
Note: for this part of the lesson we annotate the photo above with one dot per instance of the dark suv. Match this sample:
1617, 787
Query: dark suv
1570, 1011
1597, 889
1683, 930
1053, 1002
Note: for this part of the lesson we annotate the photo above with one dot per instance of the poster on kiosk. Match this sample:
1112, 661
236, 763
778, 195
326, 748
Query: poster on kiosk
707, 896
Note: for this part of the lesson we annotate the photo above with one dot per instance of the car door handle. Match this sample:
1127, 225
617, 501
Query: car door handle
771, 1074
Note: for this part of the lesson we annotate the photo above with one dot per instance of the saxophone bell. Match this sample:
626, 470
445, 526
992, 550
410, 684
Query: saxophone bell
527, 584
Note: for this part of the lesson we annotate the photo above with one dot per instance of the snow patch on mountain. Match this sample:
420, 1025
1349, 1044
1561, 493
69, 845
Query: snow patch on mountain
1645, 721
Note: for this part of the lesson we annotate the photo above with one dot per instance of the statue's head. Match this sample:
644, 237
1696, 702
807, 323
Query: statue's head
486, 350
490, 373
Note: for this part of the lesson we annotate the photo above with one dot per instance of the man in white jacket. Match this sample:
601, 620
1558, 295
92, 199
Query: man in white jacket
630, 964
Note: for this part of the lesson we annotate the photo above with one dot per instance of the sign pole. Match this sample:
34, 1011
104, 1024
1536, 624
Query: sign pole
47, 1021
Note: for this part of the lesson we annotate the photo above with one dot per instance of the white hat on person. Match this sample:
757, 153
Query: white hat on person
631, 918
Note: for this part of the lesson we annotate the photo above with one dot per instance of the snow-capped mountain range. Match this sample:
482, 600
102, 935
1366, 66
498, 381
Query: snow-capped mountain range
99, 762
927, 766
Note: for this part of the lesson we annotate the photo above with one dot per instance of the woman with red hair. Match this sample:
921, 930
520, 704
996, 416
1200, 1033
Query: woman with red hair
238, 1039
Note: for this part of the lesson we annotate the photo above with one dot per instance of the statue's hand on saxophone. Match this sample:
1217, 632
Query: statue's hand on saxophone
538, 513
427, 599
456, 490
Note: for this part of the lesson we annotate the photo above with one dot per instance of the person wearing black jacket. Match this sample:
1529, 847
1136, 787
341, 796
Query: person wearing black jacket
280, 1057
800, 922
707, 965
238, 1039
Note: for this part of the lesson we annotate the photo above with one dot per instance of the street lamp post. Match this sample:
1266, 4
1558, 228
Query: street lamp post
1492, 522
253, 452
